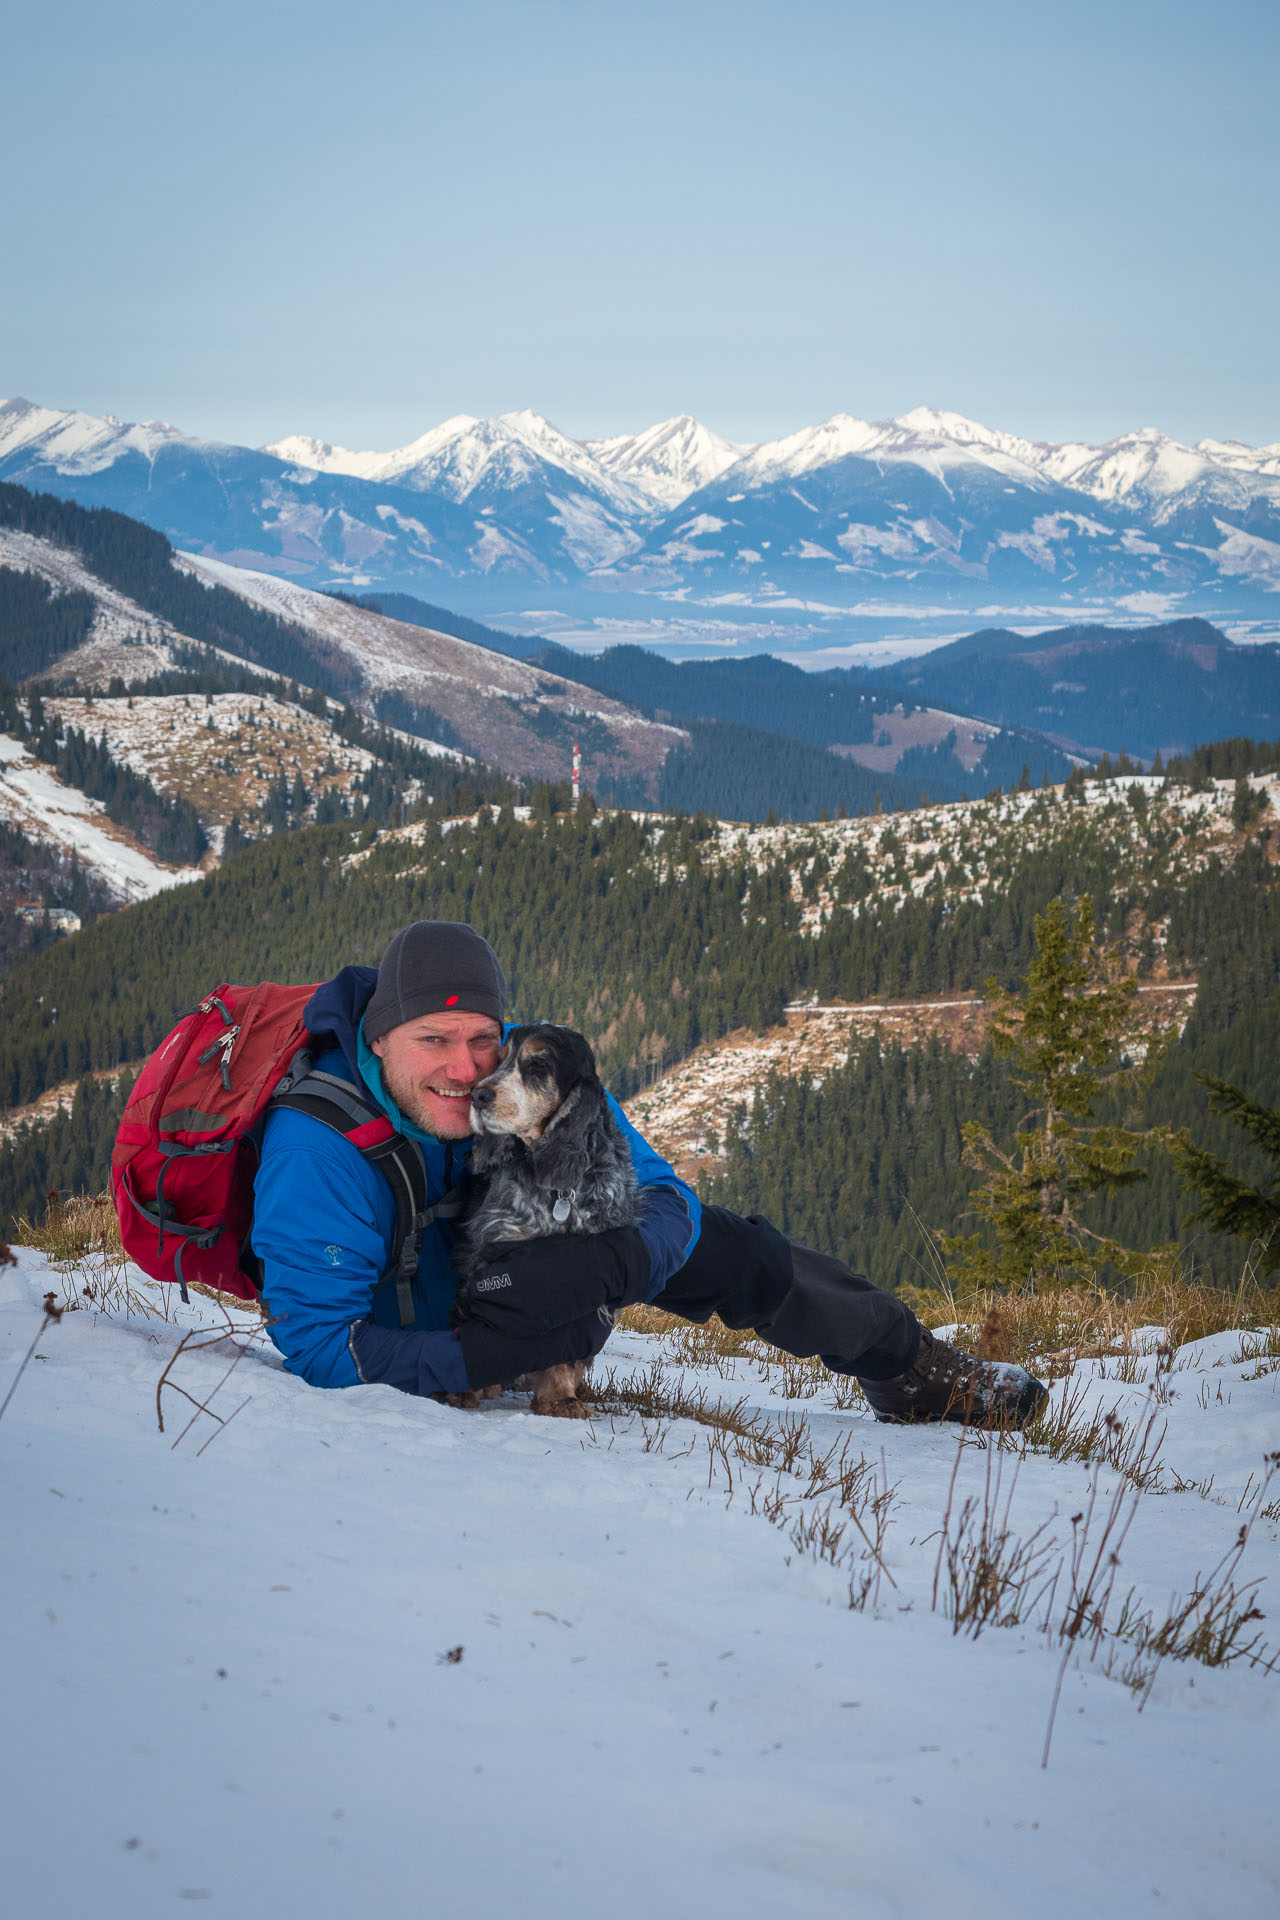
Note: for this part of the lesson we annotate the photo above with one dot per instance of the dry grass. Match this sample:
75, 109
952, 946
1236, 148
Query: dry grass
718, 1349
80, 1238
1050, 1332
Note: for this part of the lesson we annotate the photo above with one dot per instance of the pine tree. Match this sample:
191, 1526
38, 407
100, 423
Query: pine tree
1229, 1204
1064, 1034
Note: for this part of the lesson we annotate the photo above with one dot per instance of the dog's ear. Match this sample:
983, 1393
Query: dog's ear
560, 1158
582, 1060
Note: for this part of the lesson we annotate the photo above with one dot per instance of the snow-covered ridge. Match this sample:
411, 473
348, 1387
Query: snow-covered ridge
79, 442
677, 457
464, 456
663, 464
924, 512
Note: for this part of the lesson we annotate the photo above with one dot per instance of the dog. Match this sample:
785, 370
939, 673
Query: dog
548, 1158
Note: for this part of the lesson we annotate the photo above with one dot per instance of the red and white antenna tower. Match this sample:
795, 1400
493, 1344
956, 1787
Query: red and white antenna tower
577, 773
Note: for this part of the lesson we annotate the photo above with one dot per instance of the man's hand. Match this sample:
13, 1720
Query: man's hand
539, 1303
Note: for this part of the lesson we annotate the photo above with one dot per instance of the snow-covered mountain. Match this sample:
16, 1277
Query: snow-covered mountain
80, 443
516, 465
669, 461
929, 510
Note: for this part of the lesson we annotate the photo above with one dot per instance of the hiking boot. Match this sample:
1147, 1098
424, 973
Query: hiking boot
945, 1384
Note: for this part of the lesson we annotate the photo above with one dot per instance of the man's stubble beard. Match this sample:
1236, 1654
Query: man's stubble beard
408, 1097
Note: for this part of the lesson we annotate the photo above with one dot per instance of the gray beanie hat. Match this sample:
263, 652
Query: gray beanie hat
434, 966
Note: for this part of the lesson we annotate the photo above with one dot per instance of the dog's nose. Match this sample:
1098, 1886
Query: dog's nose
482, 1095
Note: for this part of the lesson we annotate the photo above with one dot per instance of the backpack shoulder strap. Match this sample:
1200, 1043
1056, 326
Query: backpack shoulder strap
340, 1105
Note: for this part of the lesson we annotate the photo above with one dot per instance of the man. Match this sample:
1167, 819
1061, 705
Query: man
416, 1036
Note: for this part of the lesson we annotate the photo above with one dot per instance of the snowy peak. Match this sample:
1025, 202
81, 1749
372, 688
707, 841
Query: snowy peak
464, 457
670, 461
929, 426
926, 436
76, 442
1146, 464
796, 453
300, 450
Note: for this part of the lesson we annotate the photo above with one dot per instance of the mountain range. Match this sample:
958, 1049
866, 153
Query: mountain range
925, 519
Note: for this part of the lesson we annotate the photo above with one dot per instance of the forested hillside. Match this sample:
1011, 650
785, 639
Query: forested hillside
841, 707
37, 625
655, 934
127, 555
1138, 691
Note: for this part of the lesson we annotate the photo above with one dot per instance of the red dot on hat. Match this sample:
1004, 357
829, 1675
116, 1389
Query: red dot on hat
452, 1001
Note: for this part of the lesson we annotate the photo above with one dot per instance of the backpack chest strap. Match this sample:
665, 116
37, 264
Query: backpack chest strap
338, 1104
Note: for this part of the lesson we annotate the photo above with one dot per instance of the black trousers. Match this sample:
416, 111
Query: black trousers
804, 1302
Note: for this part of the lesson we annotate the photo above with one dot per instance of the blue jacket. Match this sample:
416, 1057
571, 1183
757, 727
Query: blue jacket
324, 1224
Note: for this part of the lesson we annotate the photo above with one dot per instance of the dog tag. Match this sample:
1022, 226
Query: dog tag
561, 1209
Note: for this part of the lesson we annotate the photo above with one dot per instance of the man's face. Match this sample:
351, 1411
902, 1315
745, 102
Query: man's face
430, 1065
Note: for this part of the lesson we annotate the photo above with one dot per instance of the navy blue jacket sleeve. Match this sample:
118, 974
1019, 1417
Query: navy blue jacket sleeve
414, 1362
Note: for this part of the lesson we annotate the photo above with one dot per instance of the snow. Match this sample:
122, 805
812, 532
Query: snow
592, 538
78, 442
1248, 554
670, 461
464, 453
118, 624
1046, 529
33, 799
229, 1674
860, 542
797, 453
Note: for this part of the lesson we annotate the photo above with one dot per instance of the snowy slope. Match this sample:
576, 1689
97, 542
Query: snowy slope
498, 705
123, 637
33, 799
491, 699
357, 1654
223, 752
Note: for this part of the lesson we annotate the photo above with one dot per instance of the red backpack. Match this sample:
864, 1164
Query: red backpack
187, 1147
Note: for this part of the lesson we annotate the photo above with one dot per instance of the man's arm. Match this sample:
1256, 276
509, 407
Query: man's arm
670, 1214
324, 1223
323, 1227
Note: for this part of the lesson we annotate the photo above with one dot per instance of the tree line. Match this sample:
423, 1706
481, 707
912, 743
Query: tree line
649, 945
38, 624
169, 825
140, 562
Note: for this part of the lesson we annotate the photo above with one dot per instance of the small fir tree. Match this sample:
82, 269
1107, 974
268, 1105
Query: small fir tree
1066, 1035
1229, 1204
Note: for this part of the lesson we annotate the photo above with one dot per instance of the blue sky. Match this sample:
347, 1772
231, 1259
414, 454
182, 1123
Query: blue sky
254, 219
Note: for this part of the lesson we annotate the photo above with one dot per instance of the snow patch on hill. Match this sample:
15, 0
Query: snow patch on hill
33, 799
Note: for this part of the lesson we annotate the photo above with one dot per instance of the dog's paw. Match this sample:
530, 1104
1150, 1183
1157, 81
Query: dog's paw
560, 1409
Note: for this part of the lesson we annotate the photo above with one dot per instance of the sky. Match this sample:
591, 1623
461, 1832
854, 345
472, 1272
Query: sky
355, 221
